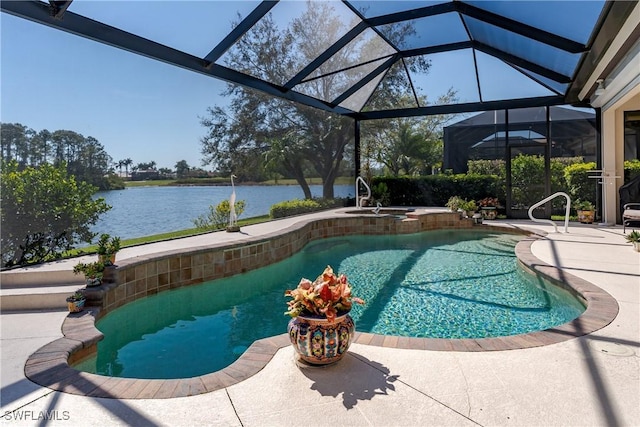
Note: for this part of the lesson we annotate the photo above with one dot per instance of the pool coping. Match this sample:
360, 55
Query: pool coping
50, 365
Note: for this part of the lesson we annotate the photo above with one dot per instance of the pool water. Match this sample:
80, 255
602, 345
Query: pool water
439, 284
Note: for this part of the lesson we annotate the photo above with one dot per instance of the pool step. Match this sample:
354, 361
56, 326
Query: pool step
43, 298
36, 288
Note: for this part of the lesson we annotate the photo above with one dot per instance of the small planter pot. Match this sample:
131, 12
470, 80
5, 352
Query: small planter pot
636, 246
319, 342
93, 281
107, 259
76, 306
586, 217
489, 213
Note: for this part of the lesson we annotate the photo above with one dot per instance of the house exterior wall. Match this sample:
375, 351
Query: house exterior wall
621, 92
613, 150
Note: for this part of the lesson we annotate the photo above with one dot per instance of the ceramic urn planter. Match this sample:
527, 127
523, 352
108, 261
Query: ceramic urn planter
320, 342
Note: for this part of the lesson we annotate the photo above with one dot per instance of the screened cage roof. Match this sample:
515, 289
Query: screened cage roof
363, 59
524, 115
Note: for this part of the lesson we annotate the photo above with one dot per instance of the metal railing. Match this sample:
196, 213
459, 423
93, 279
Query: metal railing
543, 201
358, 198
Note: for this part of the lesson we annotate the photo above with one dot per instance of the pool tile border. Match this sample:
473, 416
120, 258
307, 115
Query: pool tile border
50, 365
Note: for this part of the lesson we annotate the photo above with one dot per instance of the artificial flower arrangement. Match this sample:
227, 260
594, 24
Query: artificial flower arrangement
326, 296
489, 202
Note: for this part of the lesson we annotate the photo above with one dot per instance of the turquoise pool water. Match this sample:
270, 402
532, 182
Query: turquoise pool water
440, 284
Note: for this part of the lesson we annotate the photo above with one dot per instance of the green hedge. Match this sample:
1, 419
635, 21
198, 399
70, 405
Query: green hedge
631, 169
579, 185
434, 190
301, 206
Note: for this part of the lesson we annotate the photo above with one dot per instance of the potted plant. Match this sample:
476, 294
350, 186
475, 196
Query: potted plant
585, 211
489, 207
75, 302
107, 248
321, 330
469, 207
93, 272
634, 239
455, 203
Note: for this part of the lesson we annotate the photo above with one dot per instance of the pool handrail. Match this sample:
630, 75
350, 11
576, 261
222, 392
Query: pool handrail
545, 200
359, 199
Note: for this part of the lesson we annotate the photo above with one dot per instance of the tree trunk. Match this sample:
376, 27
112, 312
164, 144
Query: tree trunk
305, 187
295, 167
327, 189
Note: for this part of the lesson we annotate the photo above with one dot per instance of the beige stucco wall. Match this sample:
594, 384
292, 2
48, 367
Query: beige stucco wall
613, 151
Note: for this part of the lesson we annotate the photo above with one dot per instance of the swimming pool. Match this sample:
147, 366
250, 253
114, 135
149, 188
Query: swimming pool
455, 284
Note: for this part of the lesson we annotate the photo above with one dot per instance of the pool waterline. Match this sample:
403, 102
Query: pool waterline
437, 284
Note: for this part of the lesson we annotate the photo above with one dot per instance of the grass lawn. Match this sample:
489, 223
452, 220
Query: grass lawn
154, 183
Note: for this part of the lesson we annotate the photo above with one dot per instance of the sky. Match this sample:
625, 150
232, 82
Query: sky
135, 107
146, 110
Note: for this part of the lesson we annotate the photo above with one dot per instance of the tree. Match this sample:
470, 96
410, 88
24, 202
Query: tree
40, 147
403, 152
16, 143
84, 157
127, 162
119, 165
257, 128
165, 172
411, 146
258, 133
8, 133
90, 162
182, 169
146, 166
44, 212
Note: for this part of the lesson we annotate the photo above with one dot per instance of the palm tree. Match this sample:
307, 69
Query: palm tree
119, 165
127, 162
407, 149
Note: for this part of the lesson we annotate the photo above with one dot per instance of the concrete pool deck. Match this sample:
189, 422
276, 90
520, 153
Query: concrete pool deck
591, 380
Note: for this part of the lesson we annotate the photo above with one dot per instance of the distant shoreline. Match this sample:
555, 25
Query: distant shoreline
207, 182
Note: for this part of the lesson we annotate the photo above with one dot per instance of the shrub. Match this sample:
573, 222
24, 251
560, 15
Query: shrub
294, 207
111, 182
583, 205
527, 179
454, 203
631, 169
380, 193
524, 170
297, 207
579, 185
218, 216
45, 212
487, 167
435, 190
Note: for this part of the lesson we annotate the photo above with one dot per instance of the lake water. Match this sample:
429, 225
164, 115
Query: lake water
143, 211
